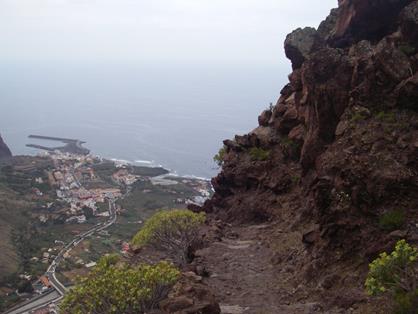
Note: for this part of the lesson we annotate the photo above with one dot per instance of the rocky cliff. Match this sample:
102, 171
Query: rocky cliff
4, 150
337, 153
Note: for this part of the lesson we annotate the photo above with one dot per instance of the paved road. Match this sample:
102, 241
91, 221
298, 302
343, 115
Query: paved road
59, 289
35, 303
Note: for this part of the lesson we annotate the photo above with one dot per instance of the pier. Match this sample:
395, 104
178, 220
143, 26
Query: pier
73, 146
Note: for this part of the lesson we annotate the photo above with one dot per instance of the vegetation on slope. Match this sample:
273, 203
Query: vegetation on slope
173, 232
396, 274
116, 287
219, 157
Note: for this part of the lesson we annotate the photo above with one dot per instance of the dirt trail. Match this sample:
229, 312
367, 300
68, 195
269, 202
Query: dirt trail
243, 275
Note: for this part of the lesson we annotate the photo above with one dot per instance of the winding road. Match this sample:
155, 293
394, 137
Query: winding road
55, 295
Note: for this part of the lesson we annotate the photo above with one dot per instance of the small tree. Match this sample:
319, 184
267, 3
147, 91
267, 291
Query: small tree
114, 287
396, 273
392, 220
257, 153
219, 157
173, 232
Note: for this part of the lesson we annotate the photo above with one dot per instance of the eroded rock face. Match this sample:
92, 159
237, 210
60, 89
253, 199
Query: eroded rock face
339, 149
371, 20
4, 150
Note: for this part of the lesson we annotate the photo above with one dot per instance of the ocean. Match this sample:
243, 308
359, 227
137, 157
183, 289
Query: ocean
174, 116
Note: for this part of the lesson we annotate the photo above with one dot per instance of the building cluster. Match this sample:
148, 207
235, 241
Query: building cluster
69, 174
122, 176
203, 187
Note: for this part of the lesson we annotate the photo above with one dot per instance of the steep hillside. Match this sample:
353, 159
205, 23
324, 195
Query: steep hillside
18, 223
310, 192
4, 150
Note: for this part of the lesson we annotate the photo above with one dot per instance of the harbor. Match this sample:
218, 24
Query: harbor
72, 146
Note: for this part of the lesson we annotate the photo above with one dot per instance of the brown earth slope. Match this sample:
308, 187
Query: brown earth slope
299, 201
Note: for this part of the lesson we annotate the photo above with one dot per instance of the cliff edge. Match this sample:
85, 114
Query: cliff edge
301, 202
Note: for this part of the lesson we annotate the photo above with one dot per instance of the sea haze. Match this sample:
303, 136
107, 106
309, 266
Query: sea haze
173, 116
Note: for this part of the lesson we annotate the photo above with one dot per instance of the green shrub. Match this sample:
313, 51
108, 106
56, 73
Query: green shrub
257, 153
173, 232
406, 303
396, 273
219, 157
388, 117
25, 286
119, 288
295, 179
407, 49
358, 116
291, 148
392, 220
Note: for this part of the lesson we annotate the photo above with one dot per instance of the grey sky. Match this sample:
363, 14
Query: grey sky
238, 32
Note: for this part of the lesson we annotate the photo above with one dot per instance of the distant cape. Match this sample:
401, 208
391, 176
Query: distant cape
4, 149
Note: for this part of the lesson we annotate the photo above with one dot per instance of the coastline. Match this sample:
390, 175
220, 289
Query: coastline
82, 181
152, 164
74, 146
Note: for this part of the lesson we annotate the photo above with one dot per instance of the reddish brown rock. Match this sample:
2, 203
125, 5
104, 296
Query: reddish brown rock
393, 62
342, 151
263, 119
297, 133
190, 296
299, 44
371, 20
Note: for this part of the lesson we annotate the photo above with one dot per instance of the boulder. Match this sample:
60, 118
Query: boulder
298, 45
289, 120
263, 119
190, 296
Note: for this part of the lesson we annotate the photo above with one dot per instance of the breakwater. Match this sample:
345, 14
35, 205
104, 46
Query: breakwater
73, 146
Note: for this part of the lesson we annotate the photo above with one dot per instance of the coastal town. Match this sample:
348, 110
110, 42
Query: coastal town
70, 171
94, 206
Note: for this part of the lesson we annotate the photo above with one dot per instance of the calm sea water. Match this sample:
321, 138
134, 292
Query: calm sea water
174, 116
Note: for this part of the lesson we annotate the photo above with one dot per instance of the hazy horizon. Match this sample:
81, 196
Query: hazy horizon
215, 32
158, 80
134, 114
